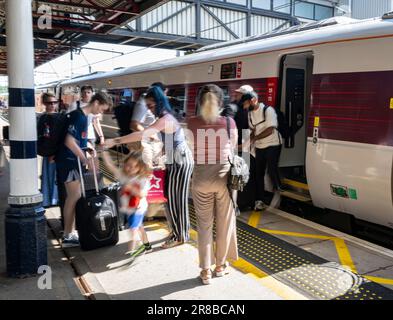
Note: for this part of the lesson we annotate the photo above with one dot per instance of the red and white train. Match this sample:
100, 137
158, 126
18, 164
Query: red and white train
334, 82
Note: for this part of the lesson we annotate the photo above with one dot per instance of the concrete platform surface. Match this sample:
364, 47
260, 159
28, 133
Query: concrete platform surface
169, 274
64, 285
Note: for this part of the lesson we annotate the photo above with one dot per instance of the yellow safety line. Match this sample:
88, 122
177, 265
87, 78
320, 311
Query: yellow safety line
379, 279
261, 277
297, 234
344, 254
254, 219
296, 184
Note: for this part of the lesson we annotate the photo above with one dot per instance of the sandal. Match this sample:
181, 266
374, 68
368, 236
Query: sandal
171, 243
206, 276
221, 271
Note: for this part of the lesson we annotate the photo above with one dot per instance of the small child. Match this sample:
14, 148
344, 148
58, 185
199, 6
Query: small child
134, 177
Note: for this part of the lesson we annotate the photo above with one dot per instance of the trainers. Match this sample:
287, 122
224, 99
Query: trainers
70, 241
137, 252
259, 205
148, 247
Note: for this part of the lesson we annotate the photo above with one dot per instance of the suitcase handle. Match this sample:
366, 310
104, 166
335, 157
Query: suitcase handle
94, 175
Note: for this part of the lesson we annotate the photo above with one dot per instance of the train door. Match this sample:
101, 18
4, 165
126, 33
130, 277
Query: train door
296, 74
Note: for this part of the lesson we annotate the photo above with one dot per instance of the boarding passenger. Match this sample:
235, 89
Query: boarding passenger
93, 120
267, 141
48, 175
179, 162
211, 196
67, 164
142, 118
241, 117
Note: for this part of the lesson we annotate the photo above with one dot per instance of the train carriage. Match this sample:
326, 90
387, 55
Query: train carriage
333, 80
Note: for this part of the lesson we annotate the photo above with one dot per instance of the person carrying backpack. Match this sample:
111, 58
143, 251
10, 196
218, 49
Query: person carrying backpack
267, 140
67, 160
47, 145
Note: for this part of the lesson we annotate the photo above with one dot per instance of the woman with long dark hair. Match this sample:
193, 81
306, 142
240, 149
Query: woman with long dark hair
179, 162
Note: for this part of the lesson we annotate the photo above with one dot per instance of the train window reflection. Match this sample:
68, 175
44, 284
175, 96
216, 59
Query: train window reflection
177, 99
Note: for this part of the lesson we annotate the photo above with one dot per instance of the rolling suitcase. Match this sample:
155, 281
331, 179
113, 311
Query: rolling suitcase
96, 217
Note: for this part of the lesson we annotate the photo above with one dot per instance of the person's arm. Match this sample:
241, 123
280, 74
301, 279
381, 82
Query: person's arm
149, 132
97, 127
136, 126
265, 133
110, 165
234, 133
71, 144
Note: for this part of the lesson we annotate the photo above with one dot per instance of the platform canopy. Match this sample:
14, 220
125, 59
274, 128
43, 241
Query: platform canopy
61, 26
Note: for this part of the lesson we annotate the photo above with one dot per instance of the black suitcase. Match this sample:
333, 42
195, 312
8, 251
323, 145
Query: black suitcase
96, 218
112, 191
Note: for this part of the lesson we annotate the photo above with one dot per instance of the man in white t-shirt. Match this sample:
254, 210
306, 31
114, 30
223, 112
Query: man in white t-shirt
267, 141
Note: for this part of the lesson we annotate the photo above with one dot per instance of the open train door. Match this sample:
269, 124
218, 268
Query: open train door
294, 100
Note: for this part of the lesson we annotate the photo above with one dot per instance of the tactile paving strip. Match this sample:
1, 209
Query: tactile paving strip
311, 275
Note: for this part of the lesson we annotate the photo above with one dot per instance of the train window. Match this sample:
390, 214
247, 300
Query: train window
227, 96
282, 6
177, 99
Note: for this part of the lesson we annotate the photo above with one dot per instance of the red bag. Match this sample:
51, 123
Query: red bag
156, 191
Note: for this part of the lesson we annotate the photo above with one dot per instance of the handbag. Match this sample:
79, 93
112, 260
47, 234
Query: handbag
239, 172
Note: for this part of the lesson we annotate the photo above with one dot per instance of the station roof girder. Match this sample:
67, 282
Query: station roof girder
61, 25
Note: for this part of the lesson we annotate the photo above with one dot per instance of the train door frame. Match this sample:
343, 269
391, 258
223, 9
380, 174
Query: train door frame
293, 155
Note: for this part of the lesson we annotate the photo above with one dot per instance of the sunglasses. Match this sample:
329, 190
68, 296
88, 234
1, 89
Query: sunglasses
52, 102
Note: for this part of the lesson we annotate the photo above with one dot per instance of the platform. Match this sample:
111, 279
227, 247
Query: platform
282, 257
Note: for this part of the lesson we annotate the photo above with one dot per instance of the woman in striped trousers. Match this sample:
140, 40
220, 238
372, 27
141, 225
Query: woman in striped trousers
179, 163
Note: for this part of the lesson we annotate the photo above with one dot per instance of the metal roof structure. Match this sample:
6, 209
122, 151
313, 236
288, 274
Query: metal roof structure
61, 25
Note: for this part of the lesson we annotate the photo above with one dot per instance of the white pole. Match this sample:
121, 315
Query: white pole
25, 224
23, 132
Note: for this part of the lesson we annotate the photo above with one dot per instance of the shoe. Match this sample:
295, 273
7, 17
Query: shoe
206, 276
259, 205
70, 241
148, 247
171, 243
137, 252
221, 271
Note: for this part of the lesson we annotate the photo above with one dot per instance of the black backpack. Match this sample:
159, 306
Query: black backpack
283, 127
51, 132
123, 115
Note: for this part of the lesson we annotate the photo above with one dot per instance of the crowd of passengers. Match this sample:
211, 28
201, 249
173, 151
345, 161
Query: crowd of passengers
195, 165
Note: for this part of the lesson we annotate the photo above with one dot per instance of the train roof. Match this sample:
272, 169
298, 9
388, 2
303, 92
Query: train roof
329, 30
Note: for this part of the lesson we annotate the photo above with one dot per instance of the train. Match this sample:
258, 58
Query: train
333, 80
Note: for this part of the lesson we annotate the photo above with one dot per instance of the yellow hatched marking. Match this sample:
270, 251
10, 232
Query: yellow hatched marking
379, 279
248, 268
254, 219
391, 103
343, 254
296, 184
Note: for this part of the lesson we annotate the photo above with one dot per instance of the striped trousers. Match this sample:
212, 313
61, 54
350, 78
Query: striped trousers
177, 189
